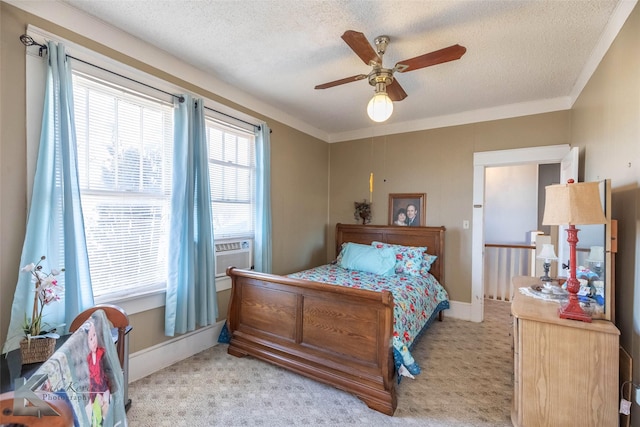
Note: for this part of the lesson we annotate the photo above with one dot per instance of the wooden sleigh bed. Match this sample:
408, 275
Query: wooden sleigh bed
338, 335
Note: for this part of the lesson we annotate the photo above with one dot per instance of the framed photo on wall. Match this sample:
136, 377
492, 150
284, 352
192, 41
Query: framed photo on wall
408, 209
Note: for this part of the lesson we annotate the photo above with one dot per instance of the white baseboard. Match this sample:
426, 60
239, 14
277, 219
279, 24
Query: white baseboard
459, 310
157, 357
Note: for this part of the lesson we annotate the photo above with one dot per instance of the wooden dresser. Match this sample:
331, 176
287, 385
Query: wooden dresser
565, 371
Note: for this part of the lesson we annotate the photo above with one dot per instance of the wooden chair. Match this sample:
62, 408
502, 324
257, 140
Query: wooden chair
118, 319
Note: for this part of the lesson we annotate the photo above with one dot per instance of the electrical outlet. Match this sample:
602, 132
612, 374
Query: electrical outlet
465, 224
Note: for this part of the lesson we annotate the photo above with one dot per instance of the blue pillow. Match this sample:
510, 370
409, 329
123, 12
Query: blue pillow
367, 258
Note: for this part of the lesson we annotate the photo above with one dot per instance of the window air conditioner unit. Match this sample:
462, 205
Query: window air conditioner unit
233, 253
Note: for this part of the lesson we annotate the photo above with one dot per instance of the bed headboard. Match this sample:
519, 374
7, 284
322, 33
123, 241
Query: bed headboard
431, 237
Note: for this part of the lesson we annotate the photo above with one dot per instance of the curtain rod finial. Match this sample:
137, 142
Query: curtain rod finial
27, 40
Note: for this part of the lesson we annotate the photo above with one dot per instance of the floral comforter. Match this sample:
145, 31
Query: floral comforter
417, 301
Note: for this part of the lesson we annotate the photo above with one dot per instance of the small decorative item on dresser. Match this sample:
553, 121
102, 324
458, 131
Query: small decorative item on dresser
38, 343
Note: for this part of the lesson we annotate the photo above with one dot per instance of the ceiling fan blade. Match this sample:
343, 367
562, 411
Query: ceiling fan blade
361, 46
341, 81
395, 91
447, 54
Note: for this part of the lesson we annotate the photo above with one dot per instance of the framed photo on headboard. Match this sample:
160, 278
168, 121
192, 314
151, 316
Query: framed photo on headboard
408, 209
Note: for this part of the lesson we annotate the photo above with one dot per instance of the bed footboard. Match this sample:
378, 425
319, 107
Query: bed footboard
337, 335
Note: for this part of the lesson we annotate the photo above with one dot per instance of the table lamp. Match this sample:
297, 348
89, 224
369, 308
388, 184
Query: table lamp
548, 254
574, 203
596, 258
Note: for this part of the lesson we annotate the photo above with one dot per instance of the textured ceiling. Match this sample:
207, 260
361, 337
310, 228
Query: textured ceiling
522, 55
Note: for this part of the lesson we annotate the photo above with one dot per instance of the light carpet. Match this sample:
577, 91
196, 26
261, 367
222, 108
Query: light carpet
466, 380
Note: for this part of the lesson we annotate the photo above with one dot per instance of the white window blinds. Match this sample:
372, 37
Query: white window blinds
124, 157
232, 171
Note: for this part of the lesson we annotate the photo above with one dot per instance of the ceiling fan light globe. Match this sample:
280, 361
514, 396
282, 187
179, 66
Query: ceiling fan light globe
380, 107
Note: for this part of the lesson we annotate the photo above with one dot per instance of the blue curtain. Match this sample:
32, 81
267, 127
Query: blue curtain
262, 261
55, 226
191, 289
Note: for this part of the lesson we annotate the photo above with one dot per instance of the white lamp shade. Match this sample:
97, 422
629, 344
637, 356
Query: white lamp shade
596, 254
380, 107
547, 252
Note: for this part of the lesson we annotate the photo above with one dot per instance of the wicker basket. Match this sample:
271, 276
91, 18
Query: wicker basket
37, 349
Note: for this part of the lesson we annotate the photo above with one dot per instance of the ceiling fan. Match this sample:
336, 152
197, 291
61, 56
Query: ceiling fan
387, 88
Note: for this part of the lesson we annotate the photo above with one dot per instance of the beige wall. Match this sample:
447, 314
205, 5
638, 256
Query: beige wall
437, 162
13, 188
299, 181
299, 193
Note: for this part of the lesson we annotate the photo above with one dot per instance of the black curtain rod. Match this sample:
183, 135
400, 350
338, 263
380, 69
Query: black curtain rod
179, 97
234, 118
29, 41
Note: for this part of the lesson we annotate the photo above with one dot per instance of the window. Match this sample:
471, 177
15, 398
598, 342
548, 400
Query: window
125, 156
125, 143
232, 170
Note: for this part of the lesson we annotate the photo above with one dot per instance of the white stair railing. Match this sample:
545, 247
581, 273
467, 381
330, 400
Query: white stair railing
501, 263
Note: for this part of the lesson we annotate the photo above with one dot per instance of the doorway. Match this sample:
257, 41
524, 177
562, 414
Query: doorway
563, 154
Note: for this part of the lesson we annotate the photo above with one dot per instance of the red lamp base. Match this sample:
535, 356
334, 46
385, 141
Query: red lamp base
573, 311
